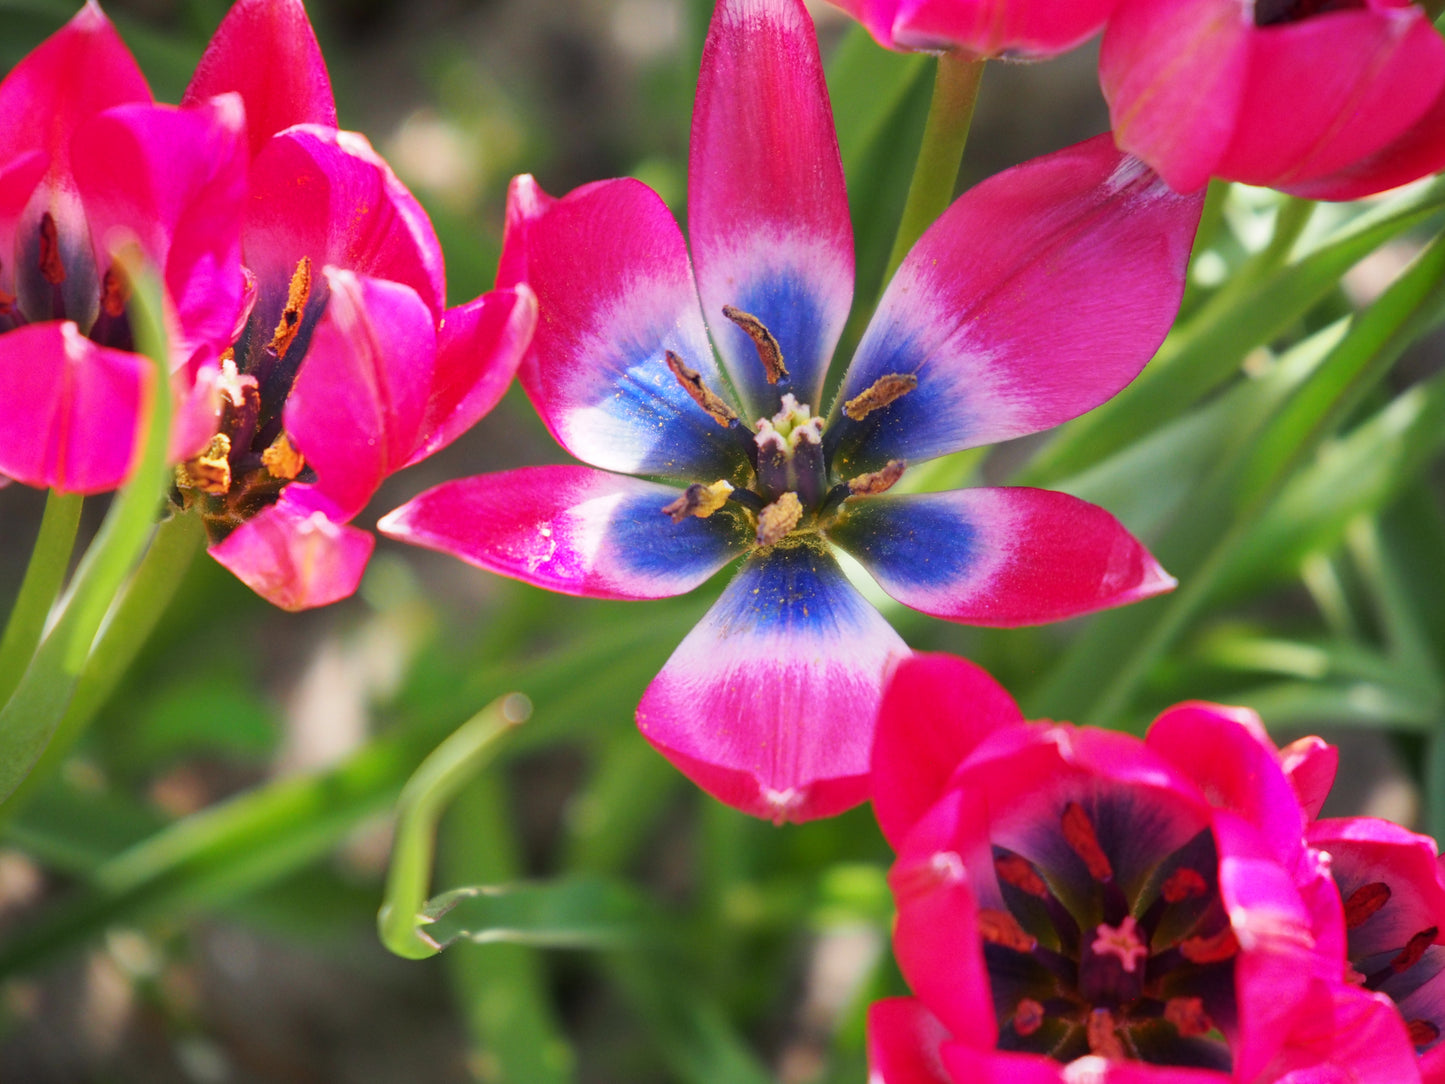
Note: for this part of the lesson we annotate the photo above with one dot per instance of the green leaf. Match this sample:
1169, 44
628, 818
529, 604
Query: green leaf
577, 912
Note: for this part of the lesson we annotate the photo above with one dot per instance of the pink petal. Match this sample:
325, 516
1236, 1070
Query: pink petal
571, 529
769, 703
356, 409
267, 51
295, 554
479, 346
935, 709
1038, 295
74, 413
999, 557
1347, 1035
1173, 72
18, 178
614, 295
995, 1067
903, 1043
1310, 764
1014, 28
327, 195
1325, 92
1420, 151
767, 210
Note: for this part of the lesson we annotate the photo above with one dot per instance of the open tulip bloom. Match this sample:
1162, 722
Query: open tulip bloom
1021, 29
1081, 905
1035, 297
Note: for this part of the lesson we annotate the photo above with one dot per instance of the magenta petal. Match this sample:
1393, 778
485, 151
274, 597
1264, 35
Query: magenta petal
1310, 764
571, 529
327, 195
769, 703
479, 346
935, 710
1015, 28
903, 1043
356, 409
1035, 297
767, 210
615, 294
267, 51
1000, 557
1418, 152
1347, 1035
295, 554
74, 412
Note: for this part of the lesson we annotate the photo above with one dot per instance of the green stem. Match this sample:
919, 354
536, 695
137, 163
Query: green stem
44, 577
955, 93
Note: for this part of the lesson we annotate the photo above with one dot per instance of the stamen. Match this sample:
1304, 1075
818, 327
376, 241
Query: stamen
7, 303
878, 481
114, 293
702, 395
1121, 941
1188, 1016
1002, 929
52, 269
1028, 1017
1364, 902
1016, 870
1414, 949
1422, 1032
209, 472
1103, 1036
282, 460
1211, 950
1184, 884
778, 518
289, 326
883, 391
769, 352
1080, 836
699, 500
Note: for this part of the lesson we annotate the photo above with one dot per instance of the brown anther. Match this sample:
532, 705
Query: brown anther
1184, 884
699, 500
1414, 949
1002, 929
52, 269
1015, 870
691, 381
769, 352
1081, 838
1422, 1032
878, 481
1211, 950
1103, 1034
209, 472
282, 460
1364, 902
1028, 1017
778, 518
7, 303
114, 292
883, 391
1188, 1016
289, 326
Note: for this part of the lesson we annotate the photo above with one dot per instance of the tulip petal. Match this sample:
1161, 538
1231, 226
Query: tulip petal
998, 557
1420, 151
356, 409
267, 52
479, 347
295, 554
1310, 765
1343, 1033
767, 209
616, 294
903, 1043
935, 710
769, 703
999, 27
1038, 295
74, 412
571, 529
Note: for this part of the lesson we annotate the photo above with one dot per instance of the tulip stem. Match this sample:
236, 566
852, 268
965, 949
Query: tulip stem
950, 114
44, 577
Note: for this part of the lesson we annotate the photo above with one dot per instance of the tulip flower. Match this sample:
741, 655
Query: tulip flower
1020, 29
1328, 100
347, 365
91, 170
1081, 905
1037, 295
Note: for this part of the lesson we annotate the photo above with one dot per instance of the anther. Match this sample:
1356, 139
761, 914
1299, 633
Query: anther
878, 481
289, 326
1211, 950
1184, 884
769, 352
1081, 838
779, 518
1002, 929
1028, 1017
52, 269
879, 394
282, 460
209, 472
1016, 870
114, 293
1422, 1032
1188, 1016
692, 383
1414, 949
699, 500
1103, 1036
1364, 902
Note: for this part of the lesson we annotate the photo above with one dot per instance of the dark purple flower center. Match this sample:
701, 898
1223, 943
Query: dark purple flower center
1275, 12
1106, 947
56, 279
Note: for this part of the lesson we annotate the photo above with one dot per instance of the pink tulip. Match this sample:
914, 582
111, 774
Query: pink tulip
982, 28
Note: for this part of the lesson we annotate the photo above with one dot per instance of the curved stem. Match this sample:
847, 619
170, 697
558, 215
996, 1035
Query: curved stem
955, 93
44, 577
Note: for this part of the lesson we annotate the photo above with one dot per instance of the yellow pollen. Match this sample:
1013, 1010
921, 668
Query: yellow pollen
884, 390
209, 472
699, 500
289, 326
878, 481
692, 383
769, 352
282, 460
778, 518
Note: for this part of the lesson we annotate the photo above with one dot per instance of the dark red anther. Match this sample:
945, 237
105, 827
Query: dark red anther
1015, 870
1414, 948
1364, 902
51, 266
1422, 1032
1184, 884
1028, 1017
1080, 836
114, 293
1211, 950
